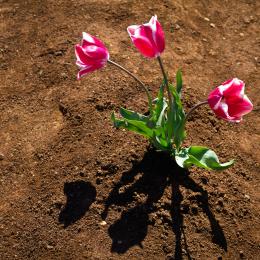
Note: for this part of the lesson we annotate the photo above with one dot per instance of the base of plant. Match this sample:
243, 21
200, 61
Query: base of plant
164, 127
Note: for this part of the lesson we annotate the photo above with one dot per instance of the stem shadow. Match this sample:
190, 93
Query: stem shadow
149, 178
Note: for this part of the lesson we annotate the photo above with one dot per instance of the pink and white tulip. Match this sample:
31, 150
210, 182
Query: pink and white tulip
148, 38
91, 55
229, 102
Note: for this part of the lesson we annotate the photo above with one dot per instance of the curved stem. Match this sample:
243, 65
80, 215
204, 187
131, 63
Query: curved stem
165, 79
138, 80
194, 108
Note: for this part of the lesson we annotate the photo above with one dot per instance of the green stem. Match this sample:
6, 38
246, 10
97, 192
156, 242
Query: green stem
138, 80
194, 108
165, 80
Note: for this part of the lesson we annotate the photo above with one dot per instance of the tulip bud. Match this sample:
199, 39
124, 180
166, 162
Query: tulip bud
229, 102
148, 38
91, 54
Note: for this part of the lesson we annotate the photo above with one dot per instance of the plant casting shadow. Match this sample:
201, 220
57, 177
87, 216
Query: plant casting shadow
80, 195
150, 177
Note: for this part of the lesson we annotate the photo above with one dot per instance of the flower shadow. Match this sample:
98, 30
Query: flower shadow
80, 195
150, 177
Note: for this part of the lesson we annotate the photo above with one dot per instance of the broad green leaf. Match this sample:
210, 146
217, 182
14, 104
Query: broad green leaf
131, 115
179, 82
133, 125
201, 157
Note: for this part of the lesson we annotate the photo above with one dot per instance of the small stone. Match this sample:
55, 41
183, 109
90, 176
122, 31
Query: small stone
64, 75
177, 27
212, 25
204, 39
247, 196
159, 222
1, 157
58, 53
212, 53
241, 253
103, 223
206, 19
242, 34
49, 247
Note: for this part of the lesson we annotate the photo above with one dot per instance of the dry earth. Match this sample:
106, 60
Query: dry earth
72, 186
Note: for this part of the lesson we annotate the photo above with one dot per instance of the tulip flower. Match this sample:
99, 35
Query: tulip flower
148, 38
229, 102
91, 55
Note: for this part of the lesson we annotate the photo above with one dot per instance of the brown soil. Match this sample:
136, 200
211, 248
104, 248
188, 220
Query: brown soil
65, 169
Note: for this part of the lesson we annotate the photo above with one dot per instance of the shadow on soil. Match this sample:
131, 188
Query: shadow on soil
157, 171
80, 195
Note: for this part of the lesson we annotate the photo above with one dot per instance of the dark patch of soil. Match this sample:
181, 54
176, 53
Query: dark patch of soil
72, 186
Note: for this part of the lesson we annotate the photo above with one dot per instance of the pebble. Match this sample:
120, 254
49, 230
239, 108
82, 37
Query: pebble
1, 157
64, 75
103, 223
212, 53
242, 34
177, 27
213, 25
159, 222
206, 19
49, 247
247, 196
249, 19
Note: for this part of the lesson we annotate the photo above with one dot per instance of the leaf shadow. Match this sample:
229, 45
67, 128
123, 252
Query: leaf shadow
150, 177
80, 195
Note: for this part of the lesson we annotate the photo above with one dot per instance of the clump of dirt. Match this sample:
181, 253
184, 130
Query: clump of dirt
72, 186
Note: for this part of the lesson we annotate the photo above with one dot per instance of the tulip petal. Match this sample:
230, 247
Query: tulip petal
91, 40
234, 88
222, 111
229, 102
88, 70
157, 34
144, 46
148, 38
131, 29
81, 56
95, 52
215, 98
240, 107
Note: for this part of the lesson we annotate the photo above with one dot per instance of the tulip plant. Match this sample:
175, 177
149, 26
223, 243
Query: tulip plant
164, 126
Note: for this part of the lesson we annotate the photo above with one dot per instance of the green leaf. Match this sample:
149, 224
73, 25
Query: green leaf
160, 143
179, 82
136, 126
202, 157
176, 119
160, 107
131, 115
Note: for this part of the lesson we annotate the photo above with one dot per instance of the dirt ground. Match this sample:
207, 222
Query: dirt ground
72, 186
